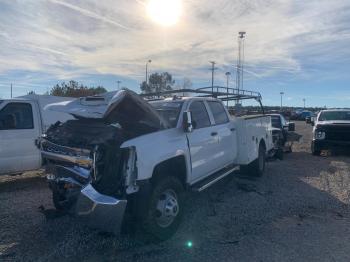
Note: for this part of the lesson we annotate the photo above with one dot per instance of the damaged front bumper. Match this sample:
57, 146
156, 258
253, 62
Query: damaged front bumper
103, 212
91, 207
84, 201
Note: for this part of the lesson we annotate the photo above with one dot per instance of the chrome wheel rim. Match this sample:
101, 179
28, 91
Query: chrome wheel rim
167, 208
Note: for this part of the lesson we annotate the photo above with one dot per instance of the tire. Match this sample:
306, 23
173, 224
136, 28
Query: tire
257, 167
60, 201
315, 151
280, 154
165, 208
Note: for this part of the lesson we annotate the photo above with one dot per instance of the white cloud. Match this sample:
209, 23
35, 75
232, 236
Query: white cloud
116, 37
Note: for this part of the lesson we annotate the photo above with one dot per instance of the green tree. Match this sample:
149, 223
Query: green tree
73, 89
158, 82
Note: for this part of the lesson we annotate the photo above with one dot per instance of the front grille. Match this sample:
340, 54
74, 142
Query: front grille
54, 152
337, 132
63, 150
338, 136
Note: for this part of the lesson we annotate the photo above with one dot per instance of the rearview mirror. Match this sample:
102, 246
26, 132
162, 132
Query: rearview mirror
187, 121
291, 126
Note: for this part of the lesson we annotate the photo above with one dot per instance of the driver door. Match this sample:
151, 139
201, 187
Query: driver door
203, 141
19, 128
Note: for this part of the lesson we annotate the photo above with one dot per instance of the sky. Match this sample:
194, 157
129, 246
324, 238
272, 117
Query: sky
298, 47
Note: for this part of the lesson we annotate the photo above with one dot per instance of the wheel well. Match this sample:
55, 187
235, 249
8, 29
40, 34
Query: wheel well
175, 166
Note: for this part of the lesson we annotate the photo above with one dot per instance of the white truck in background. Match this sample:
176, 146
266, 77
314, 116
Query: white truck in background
22, 121
124, 158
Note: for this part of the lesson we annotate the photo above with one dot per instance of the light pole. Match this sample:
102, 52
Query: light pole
212, 75
240, 61
304, 102
118, 82
281, 93
227, 79
149, 61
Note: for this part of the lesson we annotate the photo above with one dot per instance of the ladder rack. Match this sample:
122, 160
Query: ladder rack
220, 92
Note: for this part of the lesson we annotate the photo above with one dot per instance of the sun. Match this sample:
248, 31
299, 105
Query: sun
164, 12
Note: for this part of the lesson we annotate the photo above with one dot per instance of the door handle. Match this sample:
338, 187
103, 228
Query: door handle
233, 129
214, 133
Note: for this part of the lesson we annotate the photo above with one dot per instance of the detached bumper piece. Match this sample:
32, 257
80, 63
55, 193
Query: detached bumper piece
100, 211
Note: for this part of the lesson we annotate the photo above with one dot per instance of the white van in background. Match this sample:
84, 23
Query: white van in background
22, 121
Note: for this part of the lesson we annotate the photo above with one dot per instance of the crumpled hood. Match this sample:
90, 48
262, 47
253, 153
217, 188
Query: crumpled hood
124, 107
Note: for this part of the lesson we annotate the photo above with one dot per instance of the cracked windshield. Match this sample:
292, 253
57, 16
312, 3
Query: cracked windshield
174, 130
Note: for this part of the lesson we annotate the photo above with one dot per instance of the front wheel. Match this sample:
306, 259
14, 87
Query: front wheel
165, 208
314, 150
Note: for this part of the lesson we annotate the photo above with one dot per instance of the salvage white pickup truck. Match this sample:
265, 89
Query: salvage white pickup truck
124, 157
22, 121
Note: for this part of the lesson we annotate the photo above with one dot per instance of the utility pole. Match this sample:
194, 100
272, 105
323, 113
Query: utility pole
118, 82
212, 75
240, 60
149, 61
281, 93
304, 102
11, 90
227, 80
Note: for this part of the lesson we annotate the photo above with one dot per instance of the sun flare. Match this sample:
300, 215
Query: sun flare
164, 12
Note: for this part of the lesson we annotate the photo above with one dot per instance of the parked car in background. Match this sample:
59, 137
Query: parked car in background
331, 130
303, 115
310, 118
22, 121
280, 129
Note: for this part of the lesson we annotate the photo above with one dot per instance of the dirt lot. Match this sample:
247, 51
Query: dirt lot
297, 212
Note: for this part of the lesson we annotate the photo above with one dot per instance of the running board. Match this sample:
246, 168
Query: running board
212, 179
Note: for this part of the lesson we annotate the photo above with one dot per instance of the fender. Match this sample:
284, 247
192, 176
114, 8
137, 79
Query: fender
155, 148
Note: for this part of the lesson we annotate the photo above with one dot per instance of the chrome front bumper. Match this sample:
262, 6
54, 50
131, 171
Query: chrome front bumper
91, 207
100, 211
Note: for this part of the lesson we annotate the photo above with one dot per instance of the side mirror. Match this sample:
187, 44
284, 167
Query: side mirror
291, 126
187, 121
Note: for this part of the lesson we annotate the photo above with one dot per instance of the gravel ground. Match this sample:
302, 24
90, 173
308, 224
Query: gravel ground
297, 212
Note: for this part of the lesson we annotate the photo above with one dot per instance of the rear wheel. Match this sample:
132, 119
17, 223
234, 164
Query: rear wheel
257, 167
280, 154
165, 208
